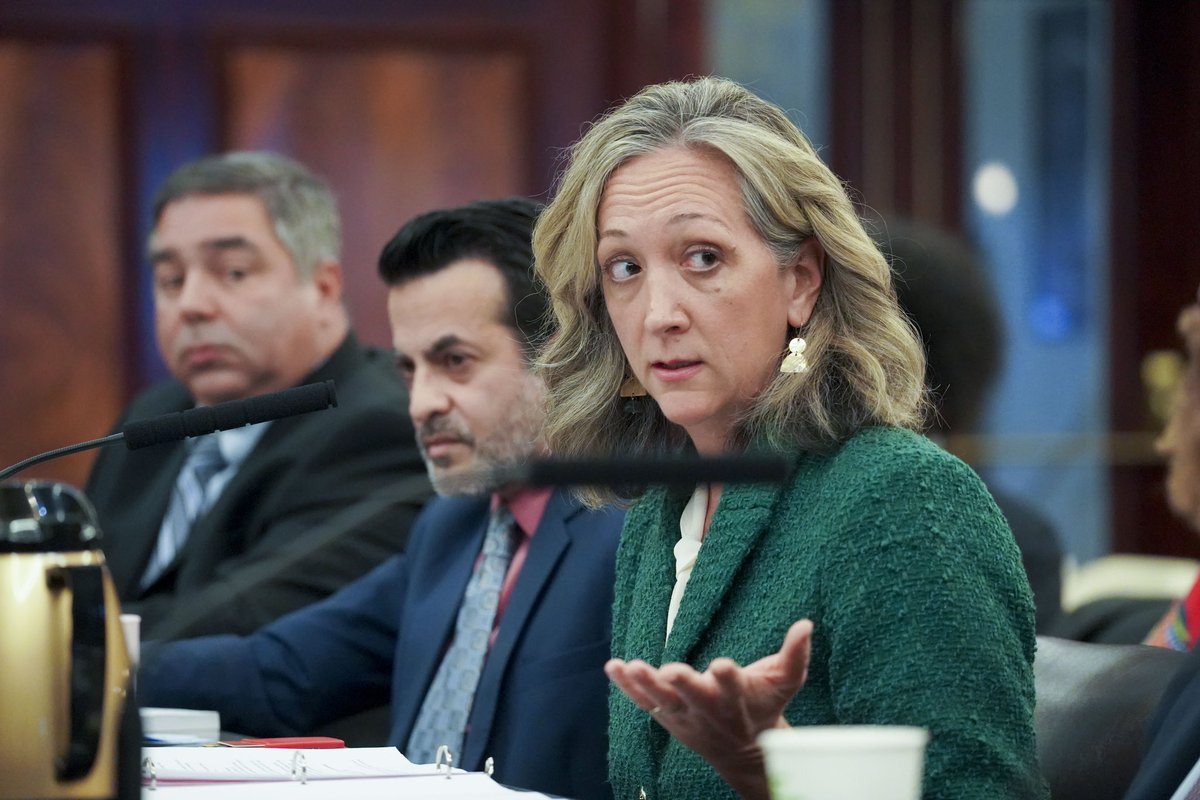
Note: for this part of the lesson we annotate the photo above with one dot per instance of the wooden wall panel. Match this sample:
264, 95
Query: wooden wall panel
396, 131
375, 95
897, 109
62, 315
1155, 216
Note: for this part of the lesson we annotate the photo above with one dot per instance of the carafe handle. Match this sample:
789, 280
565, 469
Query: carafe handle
89, 635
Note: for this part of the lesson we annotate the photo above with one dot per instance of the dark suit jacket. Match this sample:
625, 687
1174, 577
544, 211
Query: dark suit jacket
1174, 737
541, 706
290, 528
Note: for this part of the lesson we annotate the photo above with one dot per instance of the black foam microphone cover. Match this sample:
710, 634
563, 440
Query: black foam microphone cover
233, 414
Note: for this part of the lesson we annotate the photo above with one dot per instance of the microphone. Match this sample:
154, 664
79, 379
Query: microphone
202, 420
666, 471
233, 414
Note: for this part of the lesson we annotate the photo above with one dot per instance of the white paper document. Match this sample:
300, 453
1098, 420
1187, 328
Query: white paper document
461, 786
363, 773
213, 764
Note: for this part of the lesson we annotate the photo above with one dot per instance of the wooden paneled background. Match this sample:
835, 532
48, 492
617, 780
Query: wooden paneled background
402, 107
897, 110
398, 131
62, 286
1155, 219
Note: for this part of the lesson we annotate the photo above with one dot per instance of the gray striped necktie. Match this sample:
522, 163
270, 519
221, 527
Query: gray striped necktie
188, 501
447, 705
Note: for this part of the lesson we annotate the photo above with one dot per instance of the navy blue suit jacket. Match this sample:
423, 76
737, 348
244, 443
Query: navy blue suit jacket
541, 705
1174, 737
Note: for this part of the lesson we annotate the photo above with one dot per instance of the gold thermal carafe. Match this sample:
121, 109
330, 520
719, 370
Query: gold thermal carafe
64, 668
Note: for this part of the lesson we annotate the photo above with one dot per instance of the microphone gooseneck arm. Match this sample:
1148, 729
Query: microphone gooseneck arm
62, 451
202, 420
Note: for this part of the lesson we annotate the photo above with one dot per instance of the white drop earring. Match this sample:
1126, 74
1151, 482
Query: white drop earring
795, 361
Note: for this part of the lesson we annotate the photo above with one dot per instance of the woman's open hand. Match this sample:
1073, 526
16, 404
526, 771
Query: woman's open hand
720, 712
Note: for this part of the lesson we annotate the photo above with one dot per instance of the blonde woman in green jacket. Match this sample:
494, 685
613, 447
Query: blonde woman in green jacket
714, 291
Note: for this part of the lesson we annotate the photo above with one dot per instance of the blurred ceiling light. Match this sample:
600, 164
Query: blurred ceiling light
995, 188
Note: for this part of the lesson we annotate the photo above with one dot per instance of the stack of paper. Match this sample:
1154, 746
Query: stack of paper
181, 722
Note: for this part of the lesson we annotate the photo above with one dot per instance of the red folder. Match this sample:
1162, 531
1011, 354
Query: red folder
299, 742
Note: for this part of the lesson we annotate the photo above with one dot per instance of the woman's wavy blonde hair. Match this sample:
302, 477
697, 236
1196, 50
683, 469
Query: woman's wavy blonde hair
867, 365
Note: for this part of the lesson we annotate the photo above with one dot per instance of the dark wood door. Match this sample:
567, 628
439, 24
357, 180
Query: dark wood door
1155, 222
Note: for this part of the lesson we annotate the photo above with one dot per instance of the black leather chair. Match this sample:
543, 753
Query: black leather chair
1094, 702
1111, 620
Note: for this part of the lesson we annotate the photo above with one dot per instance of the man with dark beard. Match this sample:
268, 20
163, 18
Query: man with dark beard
491, 630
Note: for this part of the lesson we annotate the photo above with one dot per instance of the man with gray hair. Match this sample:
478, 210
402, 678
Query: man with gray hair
224, 533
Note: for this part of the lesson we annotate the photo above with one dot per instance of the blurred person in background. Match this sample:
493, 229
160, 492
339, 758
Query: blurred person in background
1172, 759
1179, 628
944, 290
226, 532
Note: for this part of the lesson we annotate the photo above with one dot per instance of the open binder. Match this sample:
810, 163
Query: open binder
269, 773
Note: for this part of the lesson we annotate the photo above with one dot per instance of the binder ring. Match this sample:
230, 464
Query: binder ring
299, 768
150, 770
443, 758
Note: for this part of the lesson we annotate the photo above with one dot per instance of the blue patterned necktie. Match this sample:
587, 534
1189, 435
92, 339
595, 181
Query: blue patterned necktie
188, 501
447, 705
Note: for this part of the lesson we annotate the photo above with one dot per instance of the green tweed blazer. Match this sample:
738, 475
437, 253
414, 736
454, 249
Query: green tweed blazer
922, 614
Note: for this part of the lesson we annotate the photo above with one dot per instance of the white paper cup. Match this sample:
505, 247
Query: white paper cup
131, 626
844, 762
